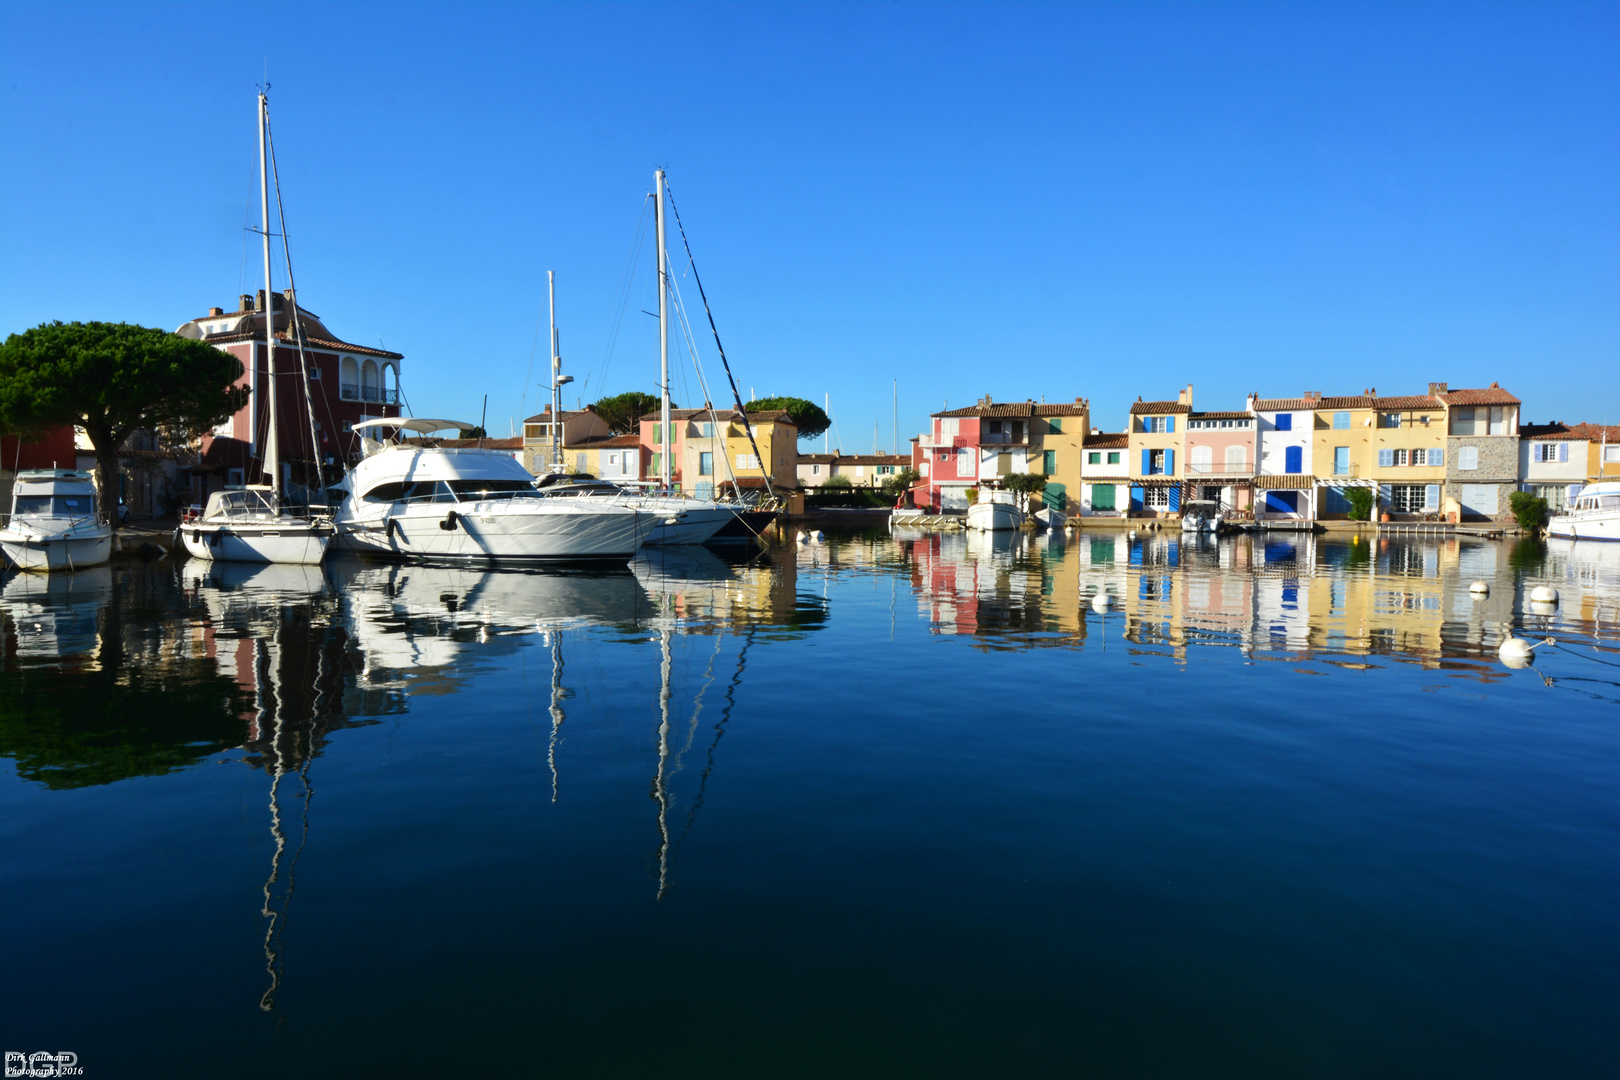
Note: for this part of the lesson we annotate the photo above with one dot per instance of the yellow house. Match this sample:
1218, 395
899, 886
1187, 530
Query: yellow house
1061, 431
710, 449
1395, 445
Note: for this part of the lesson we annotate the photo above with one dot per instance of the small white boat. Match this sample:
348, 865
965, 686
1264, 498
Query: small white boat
994, 511
411, 499
55, 523
1594, 514
249, 525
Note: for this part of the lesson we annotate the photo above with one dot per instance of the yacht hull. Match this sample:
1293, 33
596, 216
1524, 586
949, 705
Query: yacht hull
691, 526
1593, 527
504, 531
44, 554
297, 542
993, 517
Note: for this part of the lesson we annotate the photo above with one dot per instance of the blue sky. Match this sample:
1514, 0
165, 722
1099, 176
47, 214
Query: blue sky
1022, 200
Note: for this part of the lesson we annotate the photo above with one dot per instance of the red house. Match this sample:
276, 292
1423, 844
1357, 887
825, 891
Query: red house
347, 383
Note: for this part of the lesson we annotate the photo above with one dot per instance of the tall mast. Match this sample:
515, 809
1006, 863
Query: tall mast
272, 456
556, 370
663, 337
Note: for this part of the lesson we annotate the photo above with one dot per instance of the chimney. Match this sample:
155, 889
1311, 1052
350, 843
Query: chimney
258, 301
246, 301
1312, 395
1185, 397
214, 312
1252, 400
1436, 389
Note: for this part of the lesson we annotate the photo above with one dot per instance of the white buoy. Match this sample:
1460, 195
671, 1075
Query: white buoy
1133, 534
803, 538
1480, 588
1515, 652
1101, 602
1542, 607
1544, 594
818, 536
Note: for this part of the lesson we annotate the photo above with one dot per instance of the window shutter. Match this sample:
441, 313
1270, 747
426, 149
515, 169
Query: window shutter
1563, 451
1169, 423
1175, 498
1437, 458
1136, 497
1386, 459
1468, 458
1147, 462
1169, 463
1431, 497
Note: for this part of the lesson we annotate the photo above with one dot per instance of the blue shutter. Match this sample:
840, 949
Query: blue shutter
1170, 423
1293, 459
1284, 421
1437, 458
1175, 497
1147, 462
1563, 451
1386, 459
1136, 496
1169, 463
1431, 497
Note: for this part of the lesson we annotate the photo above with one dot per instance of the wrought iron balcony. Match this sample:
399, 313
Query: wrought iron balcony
349, 391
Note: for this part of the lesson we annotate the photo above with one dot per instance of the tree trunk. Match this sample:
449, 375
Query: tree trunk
106, 443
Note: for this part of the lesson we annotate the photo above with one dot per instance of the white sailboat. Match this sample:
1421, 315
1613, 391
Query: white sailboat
687, 520
253, 524
55, 522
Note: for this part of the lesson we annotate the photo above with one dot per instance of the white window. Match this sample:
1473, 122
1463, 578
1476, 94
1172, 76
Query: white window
1156, 498
949, 428
1203, 459
815, 470
964, 462
747, 461
1611, 454
1155, 424
1468, 457
1237, 459
922, 469
613, 459
1549, 451
314, 374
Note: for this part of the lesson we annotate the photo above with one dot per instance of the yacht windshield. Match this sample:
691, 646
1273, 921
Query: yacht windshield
54, 505
469, 490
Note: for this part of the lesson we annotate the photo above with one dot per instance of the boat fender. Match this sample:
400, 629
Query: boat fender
213, 538
1544, 594
450, 521
392, 529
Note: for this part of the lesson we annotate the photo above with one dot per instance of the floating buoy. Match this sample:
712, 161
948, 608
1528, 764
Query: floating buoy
1515, 652
1543, 607
1480, 588
803, 538
818, 536
1101, 602
1544, 594
1133, 534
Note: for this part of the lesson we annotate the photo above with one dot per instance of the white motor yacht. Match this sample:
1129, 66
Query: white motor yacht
55, 523
1594, 514
680, 520
412, 499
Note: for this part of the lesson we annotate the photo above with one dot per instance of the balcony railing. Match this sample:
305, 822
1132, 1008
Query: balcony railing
349, 391
1220, 468
1002, 439
390, 397
354, 392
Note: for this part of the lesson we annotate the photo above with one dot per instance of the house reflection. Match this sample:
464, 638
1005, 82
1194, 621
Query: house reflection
1298, 595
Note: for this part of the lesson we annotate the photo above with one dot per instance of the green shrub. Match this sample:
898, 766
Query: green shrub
897, 484
837, 482
1361, 503
1529, 510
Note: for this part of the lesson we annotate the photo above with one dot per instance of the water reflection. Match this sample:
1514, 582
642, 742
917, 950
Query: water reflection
1305, 596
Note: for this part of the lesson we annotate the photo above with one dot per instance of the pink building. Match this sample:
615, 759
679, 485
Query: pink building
1221, 452
990, 440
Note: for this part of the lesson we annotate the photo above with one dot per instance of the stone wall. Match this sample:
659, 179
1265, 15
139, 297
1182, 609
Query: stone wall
1498, 467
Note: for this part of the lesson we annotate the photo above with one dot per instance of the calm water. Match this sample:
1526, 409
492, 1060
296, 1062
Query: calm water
883, 806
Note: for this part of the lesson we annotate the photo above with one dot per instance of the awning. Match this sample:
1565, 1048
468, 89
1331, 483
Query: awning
1286, 482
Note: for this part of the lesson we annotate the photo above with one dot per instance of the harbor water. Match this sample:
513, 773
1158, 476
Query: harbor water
893, 804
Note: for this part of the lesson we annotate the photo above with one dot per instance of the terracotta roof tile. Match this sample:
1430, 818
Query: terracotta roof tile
1490, 395
1285, 482
874, 459
324, 344
1574, 432
1158, 408
1107, 440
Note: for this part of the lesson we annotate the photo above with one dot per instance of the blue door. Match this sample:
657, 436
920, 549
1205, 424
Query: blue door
1341, 461
1293, 459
